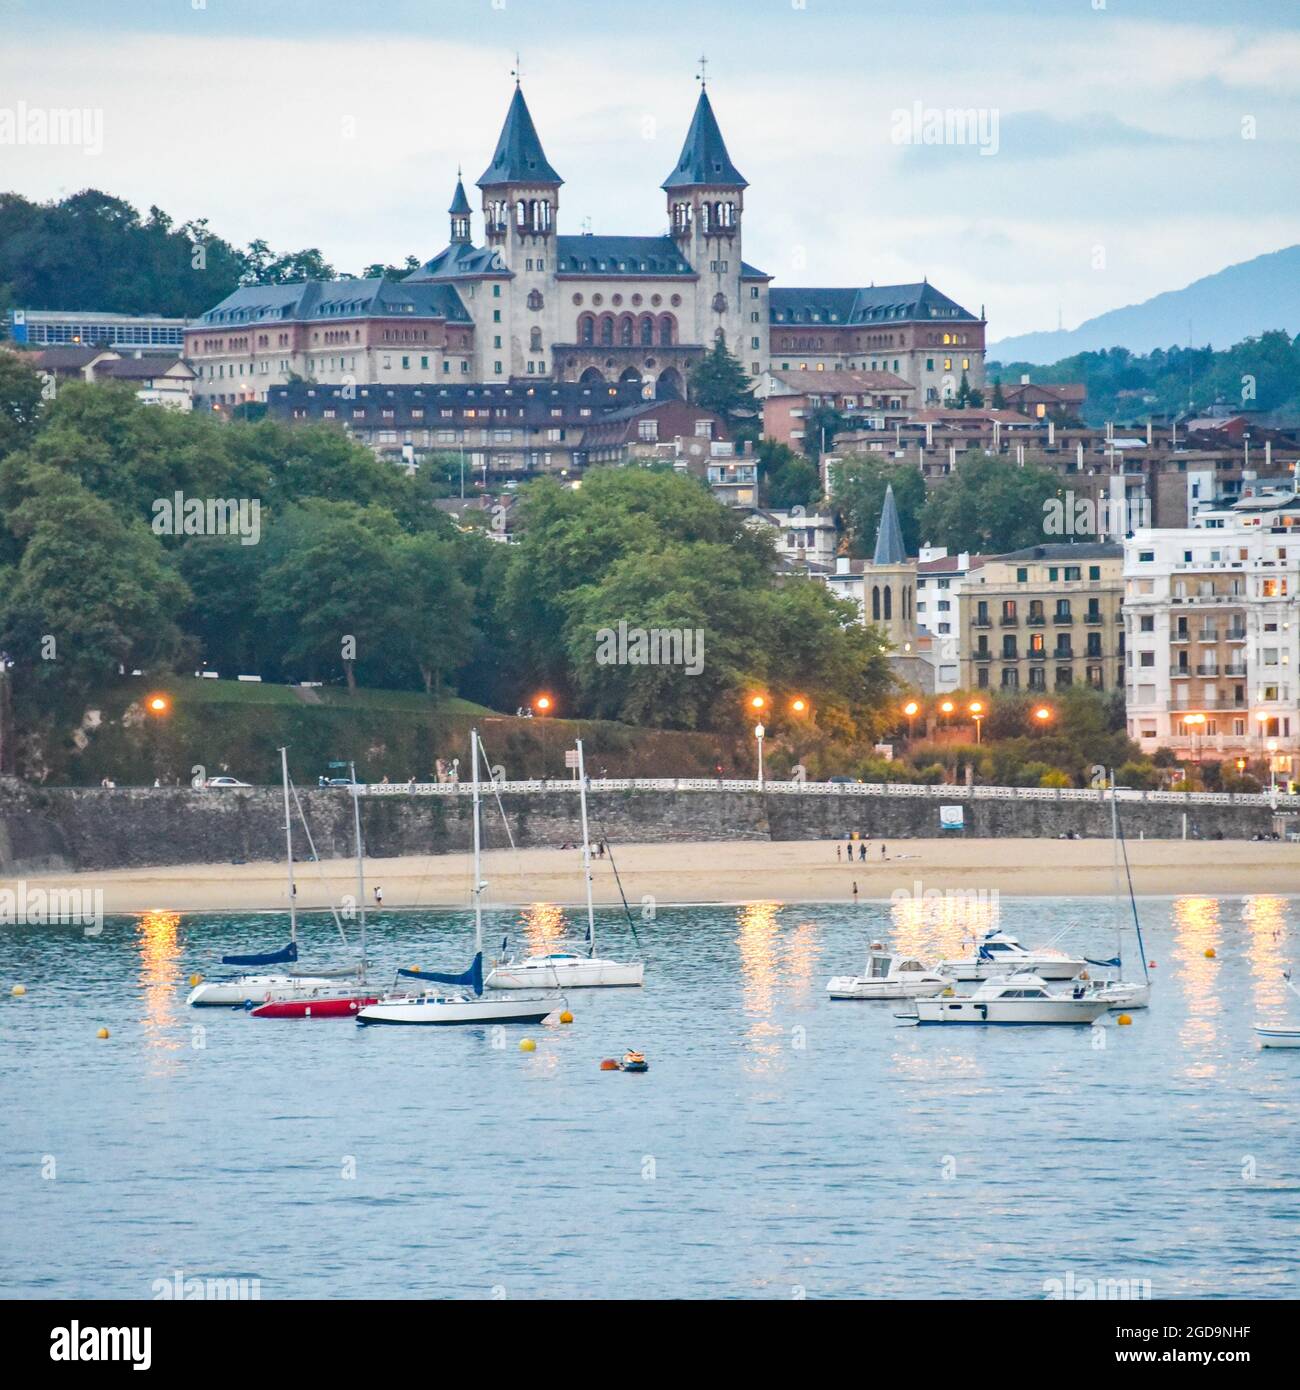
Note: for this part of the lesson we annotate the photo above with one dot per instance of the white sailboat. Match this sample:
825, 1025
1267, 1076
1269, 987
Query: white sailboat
888, 976
467, 1003
1279, 1034
570, 969
257, 988
1013, 999
1113, 988
999, 953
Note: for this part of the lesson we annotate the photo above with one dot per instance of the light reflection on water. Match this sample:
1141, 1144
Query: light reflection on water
778, 1141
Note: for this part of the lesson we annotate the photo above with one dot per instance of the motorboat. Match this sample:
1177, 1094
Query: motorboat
570, 969
1011, 999
888, 976
430, 1006
1000, 953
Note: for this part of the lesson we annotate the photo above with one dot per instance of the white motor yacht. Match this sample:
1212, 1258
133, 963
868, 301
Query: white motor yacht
1000, 953
1011, 999
888, 976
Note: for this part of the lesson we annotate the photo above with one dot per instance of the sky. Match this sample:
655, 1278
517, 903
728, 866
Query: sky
1120, 147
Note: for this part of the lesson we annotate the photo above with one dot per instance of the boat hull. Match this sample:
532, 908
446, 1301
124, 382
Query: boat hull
1124, 996
1277, 1037
250, 989
1010, 1011
336, 1006
578, 973
855, 987
439, 1012
1045, 967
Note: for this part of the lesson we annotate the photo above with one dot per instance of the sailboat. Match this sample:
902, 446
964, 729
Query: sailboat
330, 1000
570, 969
1279, 1034
467, 1004
1116, 991
256, 988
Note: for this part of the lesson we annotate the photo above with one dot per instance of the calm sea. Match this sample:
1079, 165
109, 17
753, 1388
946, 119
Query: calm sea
779, 1145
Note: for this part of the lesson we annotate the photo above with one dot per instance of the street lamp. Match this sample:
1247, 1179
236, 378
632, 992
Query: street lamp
757, 703
911, 709
1272, 771
1195, 722
977, 713
759, 732
946, 708
158, 704
1263, 716
799, 705
1043, 713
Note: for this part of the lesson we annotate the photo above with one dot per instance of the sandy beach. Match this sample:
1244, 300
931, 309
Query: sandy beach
798, 871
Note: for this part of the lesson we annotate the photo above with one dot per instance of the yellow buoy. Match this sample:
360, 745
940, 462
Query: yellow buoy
1123, 1019
19, 990
527, 1045
195, 980
103, 1033
1209, 953
566, 1017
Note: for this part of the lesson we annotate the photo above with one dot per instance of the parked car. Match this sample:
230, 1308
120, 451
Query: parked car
334, 782
226, 782
842, 781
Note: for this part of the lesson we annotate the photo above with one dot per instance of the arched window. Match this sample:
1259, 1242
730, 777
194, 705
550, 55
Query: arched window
647, 331
607, 330
534, 340
535, 300
625, 330
889, 602
875, 603
587, 330
667, 326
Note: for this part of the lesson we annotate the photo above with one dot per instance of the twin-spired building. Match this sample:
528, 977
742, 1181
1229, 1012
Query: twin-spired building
531, 302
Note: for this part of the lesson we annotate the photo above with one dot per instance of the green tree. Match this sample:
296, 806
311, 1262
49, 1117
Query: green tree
990, 504
718, 381
785, 478
858, 495
91, 593
20, 402
820, 426
435, 632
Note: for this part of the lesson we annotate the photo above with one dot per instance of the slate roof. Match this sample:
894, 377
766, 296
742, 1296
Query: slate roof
461, 261
335, 299
460, 203
704, 160
619, 255
1084, 550
853, 308
519, 157
889, 536
145, 368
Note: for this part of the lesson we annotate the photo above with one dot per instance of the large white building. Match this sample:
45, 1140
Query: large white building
532, 302
1212, 663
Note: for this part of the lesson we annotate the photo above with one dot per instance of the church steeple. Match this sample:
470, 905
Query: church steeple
460, 214
519, 157
889, 536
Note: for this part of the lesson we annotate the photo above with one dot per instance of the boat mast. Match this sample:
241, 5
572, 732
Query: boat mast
361, 869
478, 849
288, 844
586, 851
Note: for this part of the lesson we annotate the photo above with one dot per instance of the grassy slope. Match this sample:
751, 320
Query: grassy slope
229, 727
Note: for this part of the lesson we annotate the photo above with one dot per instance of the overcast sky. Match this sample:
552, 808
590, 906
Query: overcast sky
1120, 167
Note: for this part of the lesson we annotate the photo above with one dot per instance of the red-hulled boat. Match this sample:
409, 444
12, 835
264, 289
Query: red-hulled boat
326, 1004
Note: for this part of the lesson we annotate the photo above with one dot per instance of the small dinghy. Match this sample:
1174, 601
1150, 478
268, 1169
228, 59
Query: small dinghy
634, 1061
1279, 1034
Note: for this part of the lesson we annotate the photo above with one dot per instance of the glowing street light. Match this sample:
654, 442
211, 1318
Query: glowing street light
757, 702
544, 703
946, 708
911, 709
158, 704
977, 713
1043, 713
799, 705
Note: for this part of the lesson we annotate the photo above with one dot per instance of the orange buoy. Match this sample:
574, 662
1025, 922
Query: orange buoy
1209, 953
609, 1064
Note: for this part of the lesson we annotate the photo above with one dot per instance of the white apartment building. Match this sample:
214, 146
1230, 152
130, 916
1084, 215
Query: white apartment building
1212, 623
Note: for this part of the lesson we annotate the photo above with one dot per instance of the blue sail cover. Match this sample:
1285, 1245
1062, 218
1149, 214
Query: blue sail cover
1114, 963
473, 977
290, 953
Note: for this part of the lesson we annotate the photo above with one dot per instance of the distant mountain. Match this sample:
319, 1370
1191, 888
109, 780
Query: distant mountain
1242, 301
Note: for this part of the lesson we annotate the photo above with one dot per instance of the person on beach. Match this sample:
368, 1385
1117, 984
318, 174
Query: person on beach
839, 855
379, 896
882, 850
855, 889
862, 852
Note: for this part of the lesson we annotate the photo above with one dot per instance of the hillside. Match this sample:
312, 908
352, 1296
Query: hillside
234, 729
1241, 301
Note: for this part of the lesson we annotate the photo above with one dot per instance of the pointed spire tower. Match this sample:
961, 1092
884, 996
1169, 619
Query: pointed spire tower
889, 534
706, 195
520, 188
460, 214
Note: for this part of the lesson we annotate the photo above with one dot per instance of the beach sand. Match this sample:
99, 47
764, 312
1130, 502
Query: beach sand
741, 871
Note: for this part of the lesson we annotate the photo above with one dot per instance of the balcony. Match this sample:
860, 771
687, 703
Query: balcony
1063, 654
1208, 634
1036, 620
1039, 655
1092, 619
1009, 621
1180, 673
1213, 671
1177, 637
1235, 634
980, 654
1235, 670
1062, 619
982, 622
